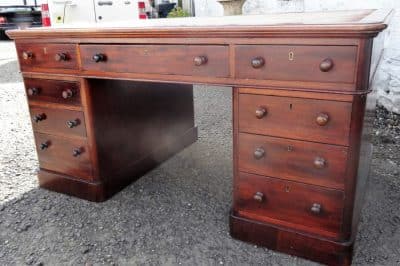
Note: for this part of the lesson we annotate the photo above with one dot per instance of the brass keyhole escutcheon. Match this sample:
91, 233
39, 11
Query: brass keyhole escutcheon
287, 189
291, 56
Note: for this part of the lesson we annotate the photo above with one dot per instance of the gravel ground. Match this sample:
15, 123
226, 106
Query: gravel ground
177, 213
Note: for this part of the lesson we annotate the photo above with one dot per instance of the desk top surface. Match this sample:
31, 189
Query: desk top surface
369, 21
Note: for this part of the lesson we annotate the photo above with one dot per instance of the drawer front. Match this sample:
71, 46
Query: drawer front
299, 206
50, 56
307, 162
54, 91
296, 63
189, 60
63, 155
57, 121
296, 118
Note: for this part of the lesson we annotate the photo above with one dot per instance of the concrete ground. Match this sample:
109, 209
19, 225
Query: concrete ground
176, 214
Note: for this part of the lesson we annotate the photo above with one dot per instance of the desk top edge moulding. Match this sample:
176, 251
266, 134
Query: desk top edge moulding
302, 113
337, 23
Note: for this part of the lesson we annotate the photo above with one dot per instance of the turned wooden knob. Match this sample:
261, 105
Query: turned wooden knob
39, 117
316, 208
258, 197
77, 151
68, 93
99, 58
319, 162
322, 119
259, 153
44, 145
261, 112
33, 91
257, 62
73, 123
61, 57
326, 65
200, 60
27, 55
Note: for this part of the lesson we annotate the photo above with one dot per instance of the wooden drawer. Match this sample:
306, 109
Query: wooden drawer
307, 162
58, 121
296, 63
64, 155
55, 91
290, 204
44, 55
158, 59
295, 118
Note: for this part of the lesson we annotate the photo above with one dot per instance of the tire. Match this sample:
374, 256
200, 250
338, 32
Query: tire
3, 35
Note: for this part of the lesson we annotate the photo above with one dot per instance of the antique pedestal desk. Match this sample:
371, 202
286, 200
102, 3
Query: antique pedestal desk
108, 104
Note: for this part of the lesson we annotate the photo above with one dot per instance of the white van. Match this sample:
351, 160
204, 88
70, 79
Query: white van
94, 11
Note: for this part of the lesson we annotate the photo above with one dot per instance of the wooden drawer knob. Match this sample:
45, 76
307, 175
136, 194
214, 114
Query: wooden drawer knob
316, 208
258, 197
200, 60
259, 153
68, 93
257, 62
99, 58
39, 117
33, 91
61, 57
44, 145
73, 123
326, 65
322, 119
77, 151
261, 112
319, 162
27, 55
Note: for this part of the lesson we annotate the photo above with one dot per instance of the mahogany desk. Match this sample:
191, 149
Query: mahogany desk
109, 104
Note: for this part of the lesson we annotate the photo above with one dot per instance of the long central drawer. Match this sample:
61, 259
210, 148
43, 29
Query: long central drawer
188, 60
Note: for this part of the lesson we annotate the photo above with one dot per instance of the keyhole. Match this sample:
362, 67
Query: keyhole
290, 106
287, 188
291, 56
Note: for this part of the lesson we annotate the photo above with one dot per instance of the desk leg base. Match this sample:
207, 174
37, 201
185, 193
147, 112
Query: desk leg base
102, 190
92, 191
290, 242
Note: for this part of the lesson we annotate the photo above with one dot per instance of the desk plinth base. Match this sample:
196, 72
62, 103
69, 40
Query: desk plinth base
100, 191
290, 242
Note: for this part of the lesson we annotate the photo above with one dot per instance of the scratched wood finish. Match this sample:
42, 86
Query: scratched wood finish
293, 160
46, 90
59, 155
295, 118
55, 121
296, 62
158, 59
289, 204
43, 56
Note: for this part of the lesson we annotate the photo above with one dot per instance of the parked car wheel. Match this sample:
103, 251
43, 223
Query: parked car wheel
3, 35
